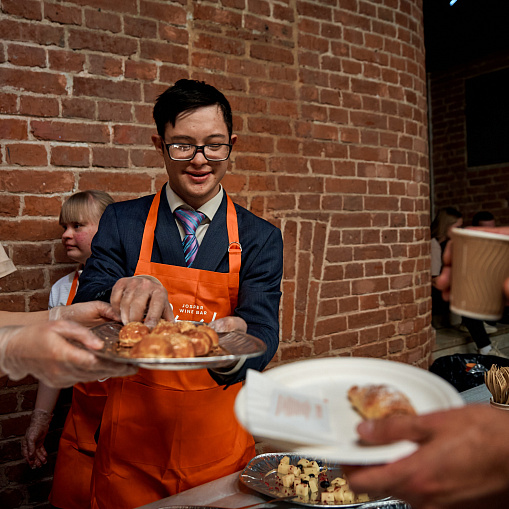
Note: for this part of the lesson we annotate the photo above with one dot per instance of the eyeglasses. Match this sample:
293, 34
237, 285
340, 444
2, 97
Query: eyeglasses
186, 152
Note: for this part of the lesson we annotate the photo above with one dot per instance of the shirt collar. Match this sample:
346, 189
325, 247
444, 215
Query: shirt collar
209, 209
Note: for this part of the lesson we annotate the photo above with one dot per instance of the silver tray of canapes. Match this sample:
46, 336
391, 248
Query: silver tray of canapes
232, 347
267, 475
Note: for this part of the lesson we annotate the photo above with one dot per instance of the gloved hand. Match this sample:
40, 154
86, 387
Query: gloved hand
228, 324
33, 442
86, 313
43, 350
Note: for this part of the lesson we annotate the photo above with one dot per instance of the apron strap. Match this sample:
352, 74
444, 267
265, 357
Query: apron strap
234, 252
234, 247
74, 287
150, 227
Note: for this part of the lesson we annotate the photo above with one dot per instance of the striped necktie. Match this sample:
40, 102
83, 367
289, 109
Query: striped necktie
189, 219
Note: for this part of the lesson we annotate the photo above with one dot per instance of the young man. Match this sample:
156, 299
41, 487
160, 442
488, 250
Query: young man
166, 431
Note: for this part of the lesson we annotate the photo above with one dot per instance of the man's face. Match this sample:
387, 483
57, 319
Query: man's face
195, 181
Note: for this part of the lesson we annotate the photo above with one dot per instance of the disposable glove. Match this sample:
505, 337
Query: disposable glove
33, 443
44, 351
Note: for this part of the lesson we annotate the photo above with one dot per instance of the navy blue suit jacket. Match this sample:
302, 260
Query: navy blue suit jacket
116, 248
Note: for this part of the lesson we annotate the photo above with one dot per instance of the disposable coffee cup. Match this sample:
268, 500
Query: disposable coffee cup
480, 265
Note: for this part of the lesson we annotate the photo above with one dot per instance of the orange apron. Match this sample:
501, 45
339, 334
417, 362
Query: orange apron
76, 449
164, 432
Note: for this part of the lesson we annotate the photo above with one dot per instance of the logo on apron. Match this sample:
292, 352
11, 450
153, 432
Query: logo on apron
192, 312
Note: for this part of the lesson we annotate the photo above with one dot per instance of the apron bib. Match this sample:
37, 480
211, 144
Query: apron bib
164, 432
76, 449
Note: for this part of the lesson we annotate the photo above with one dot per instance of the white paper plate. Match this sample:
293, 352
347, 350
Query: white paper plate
331, 379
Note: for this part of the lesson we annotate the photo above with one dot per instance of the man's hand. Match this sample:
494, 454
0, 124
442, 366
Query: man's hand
461, 461
88, 314
43, 350
138, 299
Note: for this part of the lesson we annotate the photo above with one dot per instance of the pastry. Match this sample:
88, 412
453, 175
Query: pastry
132, 333
168, 340
379, 401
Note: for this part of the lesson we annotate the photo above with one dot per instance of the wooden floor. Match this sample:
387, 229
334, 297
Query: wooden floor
451, 340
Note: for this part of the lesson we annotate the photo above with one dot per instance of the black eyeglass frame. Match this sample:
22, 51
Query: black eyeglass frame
201, 148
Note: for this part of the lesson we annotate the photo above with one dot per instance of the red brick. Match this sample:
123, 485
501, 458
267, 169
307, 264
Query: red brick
92, 40
272, 54
78, 107
8, 103
67, 61
106, 66
116, 181
140, 70
32, 230
146, 158
207, 61
138, 27
38, 82
69, 131
36, 106
218, 44
153, 50
62, 14
9, 205
98, 87
51, 206
13, 129
128, 6
170, 12
28, 9
70, 156
114, 111
24, 181
110, 157
280, 31
101, 20
26, 154
26, 56
223, 17
143, 114
13, 30
270, 126
133, 135
173, 33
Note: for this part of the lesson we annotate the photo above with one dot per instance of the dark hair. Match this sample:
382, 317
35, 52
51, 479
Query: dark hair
483, 215
445, 218
188, 95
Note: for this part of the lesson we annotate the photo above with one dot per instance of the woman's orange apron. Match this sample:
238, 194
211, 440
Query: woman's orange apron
76, 449
164, 432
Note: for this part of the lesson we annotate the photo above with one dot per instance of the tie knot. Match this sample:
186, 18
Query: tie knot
190, 220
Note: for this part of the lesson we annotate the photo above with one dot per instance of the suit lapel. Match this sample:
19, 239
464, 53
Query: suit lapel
214, 246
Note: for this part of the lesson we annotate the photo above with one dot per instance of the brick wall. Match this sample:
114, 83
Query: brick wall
330, 109
455, 184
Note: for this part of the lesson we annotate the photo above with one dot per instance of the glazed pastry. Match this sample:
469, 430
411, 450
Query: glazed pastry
132, 333
379, 401
168, 339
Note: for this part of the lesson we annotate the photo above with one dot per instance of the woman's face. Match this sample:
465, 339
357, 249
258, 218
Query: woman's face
457, 224
77, 239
